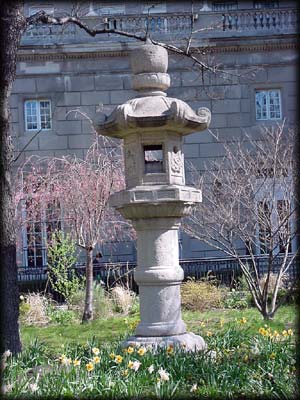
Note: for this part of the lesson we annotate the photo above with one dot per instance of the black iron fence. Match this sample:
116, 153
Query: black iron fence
225, 270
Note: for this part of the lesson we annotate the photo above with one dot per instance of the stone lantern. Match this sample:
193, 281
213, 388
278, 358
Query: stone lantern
152, 126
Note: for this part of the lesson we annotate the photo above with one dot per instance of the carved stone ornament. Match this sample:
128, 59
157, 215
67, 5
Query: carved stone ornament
176, 163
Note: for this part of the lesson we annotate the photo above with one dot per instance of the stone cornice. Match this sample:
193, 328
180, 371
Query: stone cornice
53, 54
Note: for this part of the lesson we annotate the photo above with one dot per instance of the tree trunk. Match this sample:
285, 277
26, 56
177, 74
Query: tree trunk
88, 304
12, 24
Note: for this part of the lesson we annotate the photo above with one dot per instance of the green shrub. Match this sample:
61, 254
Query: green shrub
200, 295
101, 302
61, 316
61, 258
236, 299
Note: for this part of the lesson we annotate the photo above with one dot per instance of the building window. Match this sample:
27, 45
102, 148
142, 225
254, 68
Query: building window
225, 6
268, 104
265, 4
36, 234
37, 115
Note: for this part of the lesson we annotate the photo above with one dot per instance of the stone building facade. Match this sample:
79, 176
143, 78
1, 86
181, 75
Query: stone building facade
61, 70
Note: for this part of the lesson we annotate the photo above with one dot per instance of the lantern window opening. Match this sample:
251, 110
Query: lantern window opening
153, 159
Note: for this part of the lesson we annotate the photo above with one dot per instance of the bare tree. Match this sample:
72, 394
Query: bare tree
81, 189
248, 202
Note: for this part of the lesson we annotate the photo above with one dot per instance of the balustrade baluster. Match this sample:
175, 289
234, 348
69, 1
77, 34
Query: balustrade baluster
267, 17
229, 21
255, 21
274, 22
165, 24
261, 18
236, 21
224, 22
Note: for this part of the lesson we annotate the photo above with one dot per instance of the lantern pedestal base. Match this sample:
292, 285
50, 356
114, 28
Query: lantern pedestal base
187, 342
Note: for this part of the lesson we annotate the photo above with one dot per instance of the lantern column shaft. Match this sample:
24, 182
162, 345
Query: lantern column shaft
159, 276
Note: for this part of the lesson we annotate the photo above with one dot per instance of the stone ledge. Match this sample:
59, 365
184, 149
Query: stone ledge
187, 342
156, 202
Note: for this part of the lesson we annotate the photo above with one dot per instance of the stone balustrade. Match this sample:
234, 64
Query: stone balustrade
260, 20
207, 24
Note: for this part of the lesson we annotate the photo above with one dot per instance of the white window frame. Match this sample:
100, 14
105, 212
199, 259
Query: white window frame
38, 115
267, 93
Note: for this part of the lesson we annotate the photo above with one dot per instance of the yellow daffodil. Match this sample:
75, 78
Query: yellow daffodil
170, 349
89, 367
141, 351
125, 372
285, 333
246, 358
202, 324
272, 356
95, 351
130, 364
130, 350
96, 359
118, 359
243, 320
263, 331
290, 332
222, 321
112, 356
208, 333
76, 363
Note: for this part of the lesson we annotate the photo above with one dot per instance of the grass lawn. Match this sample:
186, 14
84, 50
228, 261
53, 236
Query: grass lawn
107, 330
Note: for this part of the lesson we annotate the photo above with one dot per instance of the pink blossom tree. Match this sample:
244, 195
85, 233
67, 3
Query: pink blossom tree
81, 188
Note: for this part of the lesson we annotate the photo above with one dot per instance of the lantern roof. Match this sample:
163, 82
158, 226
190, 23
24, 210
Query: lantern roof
151, 109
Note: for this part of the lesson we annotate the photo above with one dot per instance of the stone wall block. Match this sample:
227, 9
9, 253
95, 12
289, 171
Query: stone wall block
191, 78
69, 99
68, 127
218, 121
230, 105
183, 93
108, 82
212, 150
282, 74
121, 96
191, 150
199, 137
80, 141
52, 142
26, 85
238, 119
79, 83
245, 105
14, 115
94, 98
13, 101
50, 84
